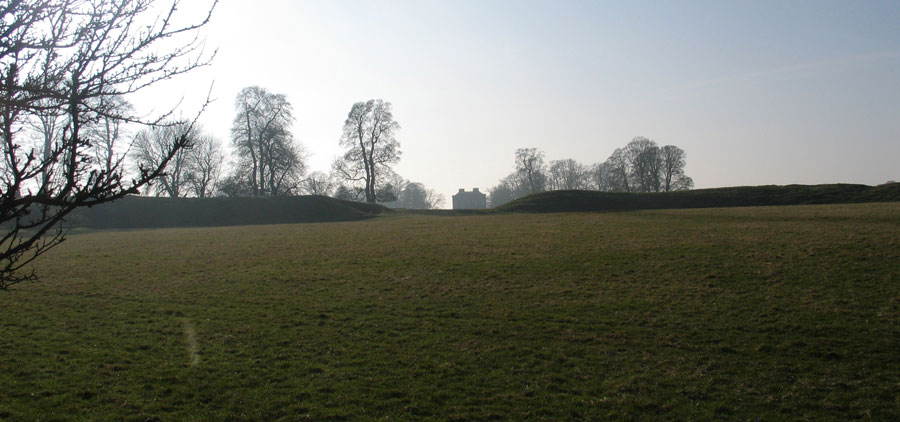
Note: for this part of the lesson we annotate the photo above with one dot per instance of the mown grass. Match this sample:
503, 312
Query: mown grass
777, 313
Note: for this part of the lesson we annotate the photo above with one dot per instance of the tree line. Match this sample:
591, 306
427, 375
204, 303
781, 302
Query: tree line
268, 161
71, 138
639, 166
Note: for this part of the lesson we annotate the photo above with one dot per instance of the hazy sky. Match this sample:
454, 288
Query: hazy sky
756, 92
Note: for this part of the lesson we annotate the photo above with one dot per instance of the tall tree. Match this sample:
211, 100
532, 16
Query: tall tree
673, 161
204, 165
619, 172
601, 177
61, 59
151, 149
109, 133
644, 159
642, 166
48, 122
269, 163
369, 137
416, 196
318, 183
568, 174
531, 170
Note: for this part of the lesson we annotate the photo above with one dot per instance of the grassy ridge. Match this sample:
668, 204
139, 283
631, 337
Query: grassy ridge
776, 313
144, 212
743, 196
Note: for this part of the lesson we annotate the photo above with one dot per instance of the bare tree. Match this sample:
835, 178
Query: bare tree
507, 190
601, 177
108, 132
567, 174
204, 165
270, 163
433, 199
48, 124
530, 169
371, 146
415, 196
683, 182
235, 184
389, 187
151, 148
318, 183
619, 173
642, 166
349, 192
60, 59
645, 163
673, 161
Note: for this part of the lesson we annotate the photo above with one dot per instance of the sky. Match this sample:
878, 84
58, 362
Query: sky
755, 92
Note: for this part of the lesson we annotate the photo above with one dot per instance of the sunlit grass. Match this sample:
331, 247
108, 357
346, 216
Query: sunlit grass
779, 313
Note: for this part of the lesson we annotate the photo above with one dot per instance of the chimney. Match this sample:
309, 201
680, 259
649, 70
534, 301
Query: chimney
474, 189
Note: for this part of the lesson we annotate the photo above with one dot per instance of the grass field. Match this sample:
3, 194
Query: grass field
777, 313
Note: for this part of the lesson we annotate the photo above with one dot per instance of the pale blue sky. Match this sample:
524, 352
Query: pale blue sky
756, 92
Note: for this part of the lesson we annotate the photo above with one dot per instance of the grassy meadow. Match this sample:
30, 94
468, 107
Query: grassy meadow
774, 313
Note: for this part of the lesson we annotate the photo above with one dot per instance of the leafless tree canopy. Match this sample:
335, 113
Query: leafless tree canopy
651, 168
371, 147
619, 172
67, 66
109, 134
672, 170
416, 196
568, 174
204, 165
151, 148
530, 169
318, 183
191, 171
642, 166
530, 176
270, 163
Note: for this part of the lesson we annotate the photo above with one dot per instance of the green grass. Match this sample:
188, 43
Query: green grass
776, 313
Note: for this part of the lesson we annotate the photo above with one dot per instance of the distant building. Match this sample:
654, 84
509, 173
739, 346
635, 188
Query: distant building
474, 200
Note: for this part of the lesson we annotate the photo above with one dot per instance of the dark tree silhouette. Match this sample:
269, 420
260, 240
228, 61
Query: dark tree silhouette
151, 147
270, 163
318, 183
643, 157
640, 166
371, 147
531, 170
204, 165
67, 63
672, 171
567, 174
